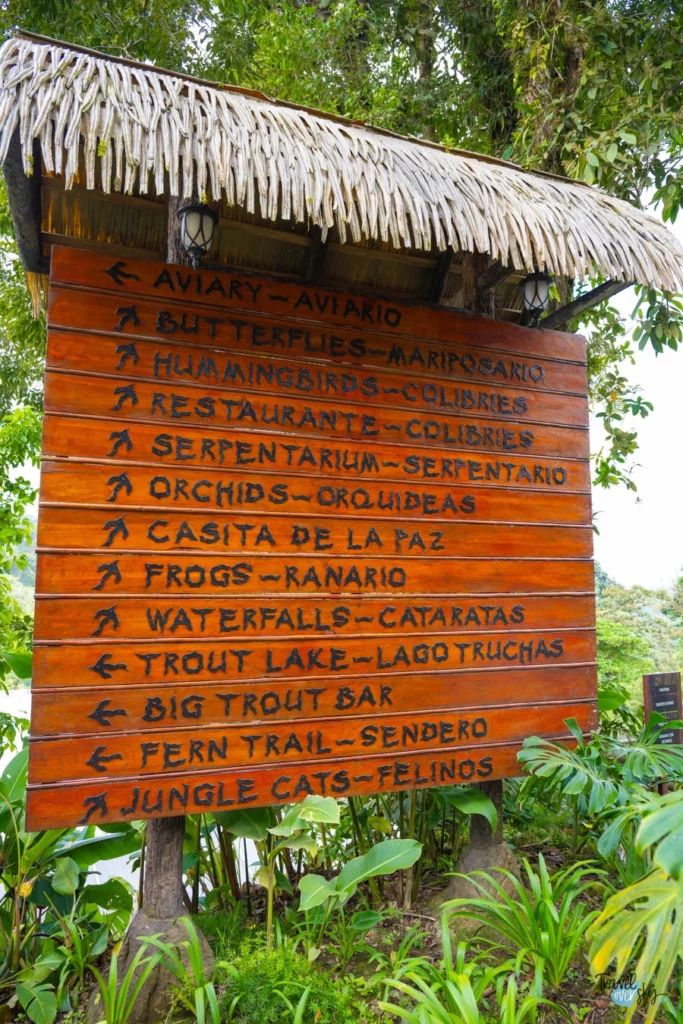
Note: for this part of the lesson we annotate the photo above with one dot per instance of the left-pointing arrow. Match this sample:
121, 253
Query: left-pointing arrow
104, 666
118, 274
102, 715
99, 759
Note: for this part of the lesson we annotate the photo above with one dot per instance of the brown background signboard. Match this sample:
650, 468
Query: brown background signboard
292, 541
662, 693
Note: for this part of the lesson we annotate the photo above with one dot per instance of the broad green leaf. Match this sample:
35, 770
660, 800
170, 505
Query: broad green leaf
292, 822
39, 1002
383, 859
21, 662
301, 842
41, 846
110, 895
664, 826
380, 824
610, 700
86, 852
283, 883
314, 891
14, 777
263, 877
65, 877
251, 824
99, 939
644, 920
190, 859
469, 800
43, 967
364, 920
321, 809
629, 138
43, 895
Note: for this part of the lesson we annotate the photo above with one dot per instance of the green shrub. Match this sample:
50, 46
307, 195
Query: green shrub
262, 980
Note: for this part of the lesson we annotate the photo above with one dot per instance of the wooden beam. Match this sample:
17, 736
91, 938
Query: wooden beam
48, 239
441, 272
493, 276
582, 303
23, 194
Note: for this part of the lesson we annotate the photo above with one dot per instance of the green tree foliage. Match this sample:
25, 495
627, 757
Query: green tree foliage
642, 613
19, 443
673, 603
589, 90
22, 338
164, 31
586, 89
602, 579
623, 656
169, 33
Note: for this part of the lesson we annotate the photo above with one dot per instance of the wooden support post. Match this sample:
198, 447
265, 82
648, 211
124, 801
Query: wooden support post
481, 833
479, 277
475, 298
441, 272
163, 882
584, 302
164, 899
486, 850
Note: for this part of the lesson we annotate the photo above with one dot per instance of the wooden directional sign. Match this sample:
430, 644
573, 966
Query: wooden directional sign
297, 541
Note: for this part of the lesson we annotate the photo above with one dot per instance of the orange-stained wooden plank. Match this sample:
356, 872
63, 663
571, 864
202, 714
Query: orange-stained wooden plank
122, 402
110, 573
393, 593
226, 291
142, 708
220, 533
181, 446
120, 662
171, 488
264, 377
145, 617
312, 345
106, 800
181, 752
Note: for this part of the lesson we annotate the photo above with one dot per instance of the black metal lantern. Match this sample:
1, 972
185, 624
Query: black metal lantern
536, 294
197, 223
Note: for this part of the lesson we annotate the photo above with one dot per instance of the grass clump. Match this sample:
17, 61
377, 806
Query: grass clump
263, 984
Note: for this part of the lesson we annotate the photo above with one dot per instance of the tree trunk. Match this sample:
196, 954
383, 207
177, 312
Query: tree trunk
425, 47
482, 303
163, 883
163, 886
481, 833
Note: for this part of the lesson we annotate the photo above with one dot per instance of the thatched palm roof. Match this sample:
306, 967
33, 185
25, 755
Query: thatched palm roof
140, 129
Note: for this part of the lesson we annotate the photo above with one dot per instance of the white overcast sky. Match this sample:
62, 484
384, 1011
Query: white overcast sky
641, 535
